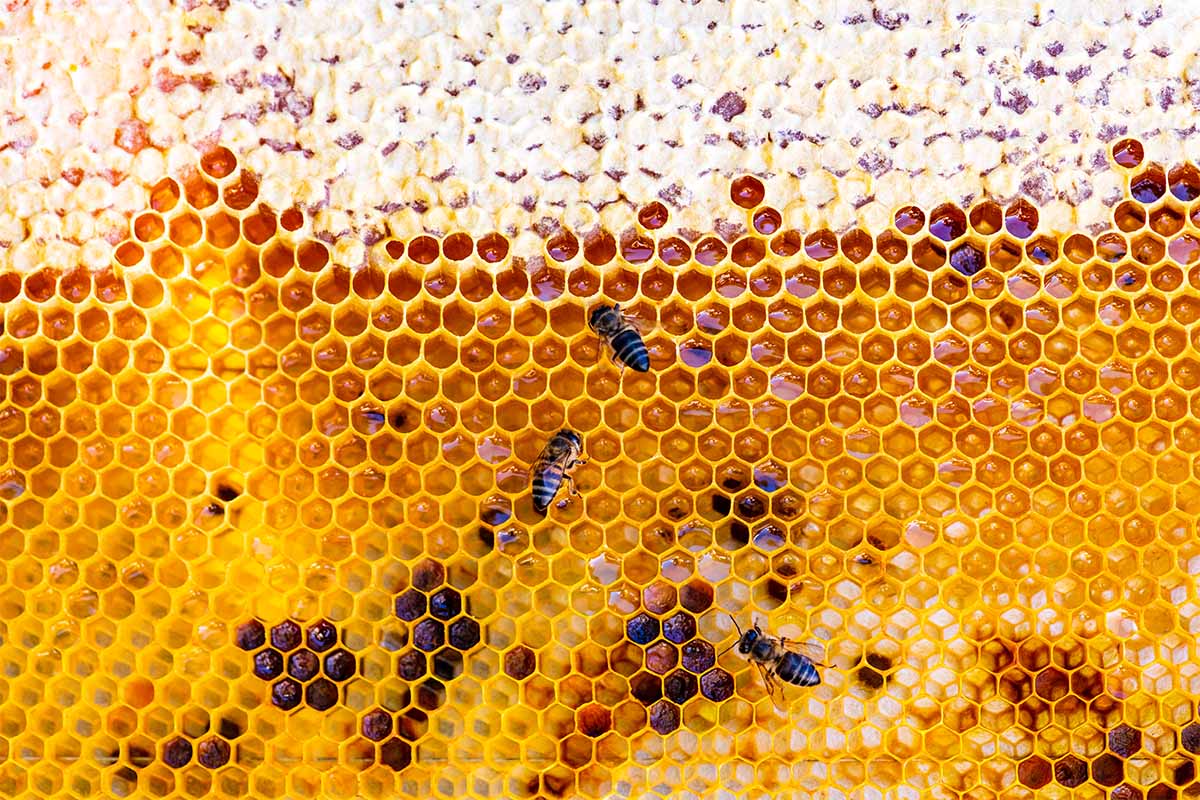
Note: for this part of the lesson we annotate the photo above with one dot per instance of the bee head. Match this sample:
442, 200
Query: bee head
572, 437
602, 317
746, 643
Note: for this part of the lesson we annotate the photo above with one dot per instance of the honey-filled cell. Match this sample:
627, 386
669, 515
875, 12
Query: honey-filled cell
902, 503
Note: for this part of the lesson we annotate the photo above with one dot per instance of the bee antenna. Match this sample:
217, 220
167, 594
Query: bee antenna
735, 641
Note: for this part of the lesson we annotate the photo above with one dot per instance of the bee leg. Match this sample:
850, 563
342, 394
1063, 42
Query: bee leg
571, 490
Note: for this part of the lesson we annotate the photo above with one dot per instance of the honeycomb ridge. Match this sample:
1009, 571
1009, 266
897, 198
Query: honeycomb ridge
265, 527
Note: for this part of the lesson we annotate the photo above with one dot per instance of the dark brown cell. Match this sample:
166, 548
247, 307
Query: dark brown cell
410, 605
447, 664
869, 678
1189, 737
947, 222
594, 720
698, 656
967, 259
428, 575
716, 685
303, 665
268, 664
1126, 792
679, 627
445, 604
1108, 770
653, 216
230, 729
747, 191
376, 725
1087, 682
177, 752
431, 695
464, 633
1161, 791
340, 665
287, 694
642, 628
321, 694
1183, 770
1128, 153
1071, 771
1051, 684
412, 724
1124, 740
646, 687
879, 662
751, 507
395, 753
722, 504
1034, 772
661, 657
519, 662
411, 666
251, 635
286, 636
213, 752
680, 686
696, 596
429, 635
664, 717
322, 635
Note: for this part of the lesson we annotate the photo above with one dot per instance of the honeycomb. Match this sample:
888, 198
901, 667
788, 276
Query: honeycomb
266, 528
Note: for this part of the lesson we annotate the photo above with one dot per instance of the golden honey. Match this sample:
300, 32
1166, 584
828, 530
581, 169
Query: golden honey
266, 527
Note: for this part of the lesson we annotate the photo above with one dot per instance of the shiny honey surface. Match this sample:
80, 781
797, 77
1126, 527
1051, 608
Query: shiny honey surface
266, 528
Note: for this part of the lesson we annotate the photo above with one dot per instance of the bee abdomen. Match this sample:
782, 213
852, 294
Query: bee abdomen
798, 670
545, 486
631, 351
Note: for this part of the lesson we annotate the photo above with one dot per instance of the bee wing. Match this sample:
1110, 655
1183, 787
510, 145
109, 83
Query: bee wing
635, 323
813, 651
773, 686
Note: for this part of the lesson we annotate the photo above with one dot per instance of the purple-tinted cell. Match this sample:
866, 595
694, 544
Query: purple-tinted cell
376, 725
698, 656
410, 605
664, 717
679, 627
642, 629
287, 694
177, 752
1189, 737
250, 635
717, 685
321, 694
680, 686
340, 665
286, 636
268, 664
428, 575
213, 752
322, 636
303, 665
428, 635
464, 633
396, 753
967, 259
411, 666
1124, 740
445, 603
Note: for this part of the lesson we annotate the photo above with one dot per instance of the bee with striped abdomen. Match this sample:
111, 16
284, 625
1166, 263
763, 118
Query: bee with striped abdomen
623, 340
779, 659
553, 466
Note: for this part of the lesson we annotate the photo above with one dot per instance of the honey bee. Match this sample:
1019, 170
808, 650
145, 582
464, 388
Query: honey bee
623, 340
553, 466
779, 659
